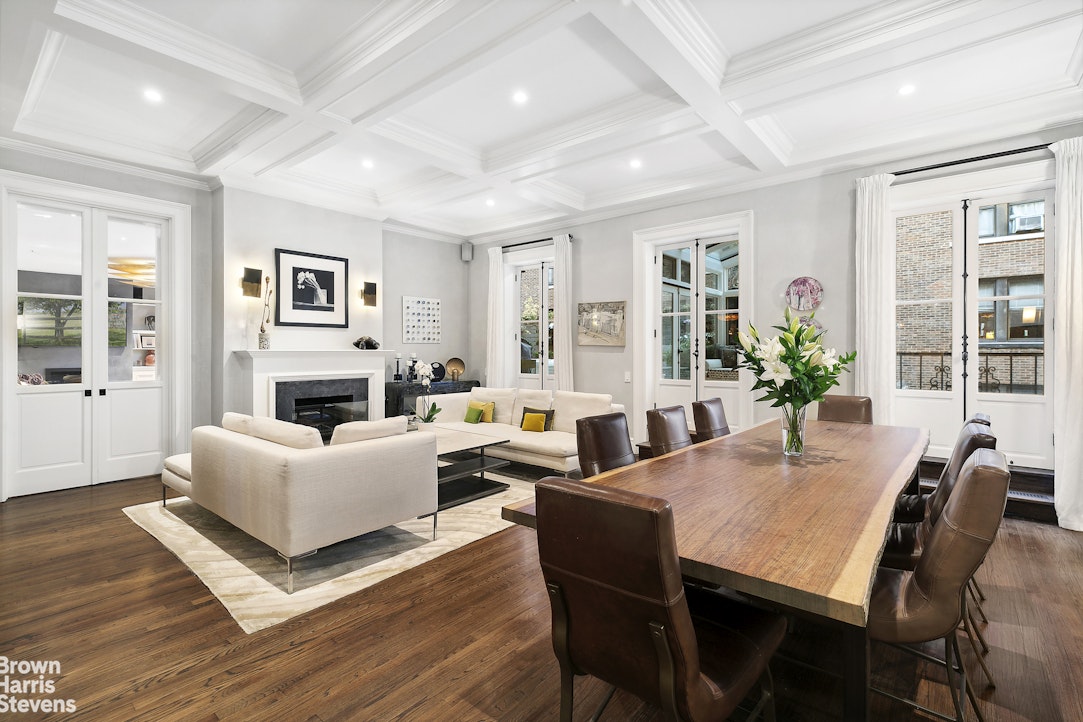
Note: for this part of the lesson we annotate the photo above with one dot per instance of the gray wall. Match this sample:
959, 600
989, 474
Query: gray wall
431, 269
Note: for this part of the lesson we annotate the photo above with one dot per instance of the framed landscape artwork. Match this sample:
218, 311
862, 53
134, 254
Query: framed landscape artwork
601, 323
311, 290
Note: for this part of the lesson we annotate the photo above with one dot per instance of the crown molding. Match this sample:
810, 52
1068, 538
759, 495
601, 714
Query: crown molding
417, 232
685, 29
773, 135
230, 135
630, 114
386, 26
136, 25
460, 157
51, 48
69, 132
299, 153
549, 192
331, 187
844, 36
1074, 71
90, 161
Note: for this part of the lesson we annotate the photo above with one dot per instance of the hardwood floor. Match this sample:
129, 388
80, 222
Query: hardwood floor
465, 637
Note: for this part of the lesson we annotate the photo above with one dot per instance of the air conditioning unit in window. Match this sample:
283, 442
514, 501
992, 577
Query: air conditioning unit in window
1025, 224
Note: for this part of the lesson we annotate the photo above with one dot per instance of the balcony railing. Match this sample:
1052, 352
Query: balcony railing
1002, 372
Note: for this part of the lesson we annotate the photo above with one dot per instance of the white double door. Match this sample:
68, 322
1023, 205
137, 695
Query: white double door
973, 318
89, 406
697, 317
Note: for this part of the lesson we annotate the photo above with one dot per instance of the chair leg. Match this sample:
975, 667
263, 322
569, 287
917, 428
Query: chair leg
567, 692
958, 698
981, 612
977, 631
968, 626
967, 688
766, 705
977, 587
601, 708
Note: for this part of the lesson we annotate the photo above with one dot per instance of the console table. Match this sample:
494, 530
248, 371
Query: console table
396, 393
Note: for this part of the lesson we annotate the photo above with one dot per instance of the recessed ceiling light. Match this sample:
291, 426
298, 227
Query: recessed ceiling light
520, 97
152, 96
490, 202
635, 163
367, 163
907, 89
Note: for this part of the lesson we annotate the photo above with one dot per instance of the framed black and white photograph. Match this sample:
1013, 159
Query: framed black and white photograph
311, 289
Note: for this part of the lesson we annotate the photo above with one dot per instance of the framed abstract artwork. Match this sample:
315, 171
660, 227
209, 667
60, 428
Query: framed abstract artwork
311, 289
420, 320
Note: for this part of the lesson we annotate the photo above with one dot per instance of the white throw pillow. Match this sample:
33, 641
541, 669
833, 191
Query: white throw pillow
503, 398
285, 433
572, 405
364, 430
530, 398
240, 423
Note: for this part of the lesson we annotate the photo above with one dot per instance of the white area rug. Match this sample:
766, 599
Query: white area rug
249, 578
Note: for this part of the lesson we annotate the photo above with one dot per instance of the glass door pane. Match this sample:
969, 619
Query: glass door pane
49, 324
721, 309
676, 314
530, 314
133, 299
923, 294
1011, 298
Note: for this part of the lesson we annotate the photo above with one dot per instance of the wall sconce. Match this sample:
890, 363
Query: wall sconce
252, 283
368, 294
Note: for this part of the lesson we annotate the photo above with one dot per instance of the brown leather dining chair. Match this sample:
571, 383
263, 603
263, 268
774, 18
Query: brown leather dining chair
604, 443
667, 429
622, 614
709, 416
851, 409
912, 510
926, 604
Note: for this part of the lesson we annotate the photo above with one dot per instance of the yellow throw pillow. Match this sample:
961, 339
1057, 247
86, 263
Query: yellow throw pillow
533, 422
487, 410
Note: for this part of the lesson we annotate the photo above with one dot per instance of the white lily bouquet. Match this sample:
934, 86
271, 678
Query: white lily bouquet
794, 369
424, 374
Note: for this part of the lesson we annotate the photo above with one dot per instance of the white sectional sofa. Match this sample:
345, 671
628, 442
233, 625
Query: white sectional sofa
277, 481
554, 449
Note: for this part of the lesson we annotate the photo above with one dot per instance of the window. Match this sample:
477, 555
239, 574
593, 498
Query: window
1009, 219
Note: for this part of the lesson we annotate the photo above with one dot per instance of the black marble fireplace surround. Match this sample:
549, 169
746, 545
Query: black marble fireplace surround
322, 403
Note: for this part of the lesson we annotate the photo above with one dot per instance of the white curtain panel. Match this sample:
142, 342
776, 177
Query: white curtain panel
1068, 316
496, 342
564, 310
874, 369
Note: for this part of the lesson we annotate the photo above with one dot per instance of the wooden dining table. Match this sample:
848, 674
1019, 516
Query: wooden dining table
803, 533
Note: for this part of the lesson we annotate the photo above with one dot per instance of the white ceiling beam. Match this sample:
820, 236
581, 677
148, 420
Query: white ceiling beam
494, 31
640, 33
141, 27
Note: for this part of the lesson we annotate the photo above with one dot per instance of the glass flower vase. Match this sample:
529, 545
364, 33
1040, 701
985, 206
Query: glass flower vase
793, 429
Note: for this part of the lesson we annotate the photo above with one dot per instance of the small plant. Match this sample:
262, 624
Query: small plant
430, 415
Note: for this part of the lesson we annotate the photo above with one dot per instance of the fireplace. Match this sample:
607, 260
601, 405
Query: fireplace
322, 403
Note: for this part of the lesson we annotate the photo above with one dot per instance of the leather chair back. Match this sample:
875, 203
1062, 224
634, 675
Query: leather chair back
927, 604
971, 437
667, 429
709, 417
851, 409
604, 443
609, 558
980, 418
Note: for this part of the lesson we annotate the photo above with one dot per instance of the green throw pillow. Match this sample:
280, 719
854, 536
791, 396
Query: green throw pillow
548, 413
473, 415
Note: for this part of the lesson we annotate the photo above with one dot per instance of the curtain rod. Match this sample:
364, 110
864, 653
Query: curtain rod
527, 243
972, 160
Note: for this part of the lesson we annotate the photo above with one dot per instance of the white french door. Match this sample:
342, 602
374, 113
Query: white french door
973, 329
534, 294
698, 317
88, 406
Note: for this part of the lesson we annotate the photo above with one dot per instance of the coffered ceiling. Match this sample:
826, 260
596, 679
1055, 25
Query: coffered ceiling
480, 118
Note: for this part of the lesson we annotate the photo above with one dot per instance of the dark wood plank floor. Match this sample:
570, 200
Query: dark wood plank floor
465, 637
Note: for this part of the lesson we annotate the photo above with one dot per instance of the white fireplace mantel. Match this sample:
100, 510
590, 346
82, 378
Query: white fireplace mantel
261, 369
